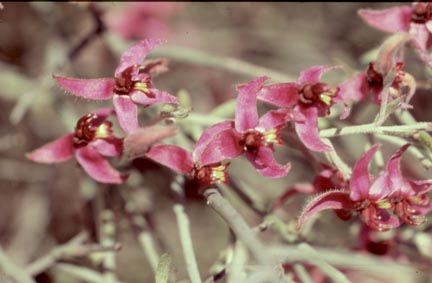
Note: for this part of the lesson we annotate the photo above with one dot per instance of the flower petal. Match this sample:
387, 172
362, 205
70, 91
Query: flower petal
127, 112
313, 74
393, 168
213, 137
274, 119
97, 166
380, 189
108, 147
246, 113
266, 165
394, 19
282, 95
421, 40
307, 130
173, 157
56, 151
156, 96
223, 145
328, 200
138, 142
354, 89
97, 89
360, 181
136, 54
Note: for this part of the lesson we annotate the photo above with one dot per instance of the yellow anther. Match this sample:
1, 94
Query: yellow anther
141, 86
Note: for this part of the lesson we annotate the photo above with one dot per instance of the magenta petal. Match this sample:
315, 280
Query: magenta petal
390, 20
156, 96
328, 200
421, 40
274, 119
380, 188
420, 35
56, 151
393, 166
173, 157
360, 181
97, 89
138, 142
282, 95
308, 130
97, 166
266, 165
354, 89
208, 135
313, 74
246, 113
223, 145
136, 54
126, 112
110, 148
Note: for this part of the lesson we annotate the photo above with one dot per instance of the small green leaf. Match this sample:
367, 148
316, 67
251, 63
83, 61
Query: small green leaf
163, 269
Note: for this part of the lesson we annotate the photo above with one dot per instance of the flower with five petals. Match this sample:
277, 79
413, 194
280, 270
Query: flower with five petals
91, 141
131, 85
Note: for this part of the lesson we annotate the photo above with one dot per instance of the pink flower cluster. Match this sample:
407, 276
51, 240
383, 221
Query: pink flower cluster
382, 202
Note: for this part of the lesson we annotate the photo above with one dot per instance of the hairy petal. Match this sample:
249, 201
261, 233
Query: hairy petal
393, 168
97, 89
394, 19
127, 112
58, 150
360, 182
328, 200
171, 156
313, 74
246, 113
208, 134
156, 96
223, 145
138, 142
266, 165
282, 95
354, 89
421, 40
381, 188
108, 147
307, 130
136, 54
97, 166
274, 119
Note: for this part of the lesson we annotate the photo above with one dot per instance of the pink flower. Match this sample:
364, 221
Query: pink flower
258, 135
380, 201
309, 99
131, 85
90, 143
417, 20
139, 20
216, 144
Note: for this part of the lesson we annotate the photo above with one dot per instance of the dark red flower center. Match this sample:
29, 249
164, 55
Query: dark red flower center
317, 95
422, 12
87, 130
252, 140
133, 78
211, 174
375, 80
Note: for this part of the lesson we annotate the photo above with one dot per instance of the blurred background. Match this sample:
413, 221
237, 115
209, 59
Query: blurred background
43, 206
